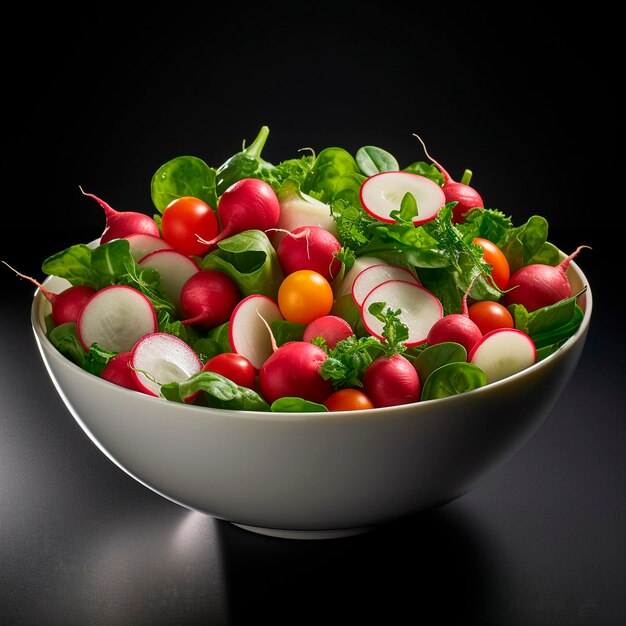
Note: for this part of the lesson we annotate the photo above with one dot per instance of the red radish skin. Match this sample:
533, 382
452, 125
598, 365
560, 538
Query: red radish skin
330, 327
293, 370
457, 327
120, 224
466, 197
208, 298
391, 380
249, 204
310, 248
538, 285
67, 304
119, 372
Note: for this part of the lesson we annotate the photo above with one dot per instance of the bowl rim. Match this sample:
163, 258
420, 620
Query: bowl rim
39, 303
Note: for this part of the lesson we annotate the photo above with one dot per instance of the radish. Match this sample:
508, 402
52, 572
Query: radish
375, 275
419, 309
293, 371
120, 224
309, 248
175, 269
382, 194
67, 304
142, 244
208, 298
466, 197
330, 327
160, 358
249, 204
248, 330
457, 327
391, 380
299, 209
538, 285
503, 352
115, 317
343, 286
119, 372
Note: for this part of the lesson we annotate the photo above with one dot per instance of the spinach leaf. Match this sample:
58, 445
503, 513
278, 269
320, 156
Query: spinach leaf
296, 405
433, 357
452, 379
372, 160
73, 264
426, 169
183, 176
207, 348
219, 391
284, 331
334, 175
65, 339
250, 260
522, 244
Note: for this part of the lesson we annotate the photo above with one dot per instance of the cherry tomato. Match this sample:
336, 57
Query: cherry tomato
233, 366
495, 257
186, 218
304, 296
348, 400
489, 315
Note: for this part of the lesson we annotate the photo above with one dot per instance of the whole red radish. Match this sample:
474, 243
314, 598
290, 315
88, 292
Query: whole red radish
331, 328
208, 298
538, 285
465, 196
119, 372
67, 304
391, 380
120, 224
233, 366
249, 204
293, 371
309, 248
457, 327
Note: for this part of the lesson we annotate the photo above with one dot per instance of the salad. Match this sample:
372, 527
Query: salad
325, 282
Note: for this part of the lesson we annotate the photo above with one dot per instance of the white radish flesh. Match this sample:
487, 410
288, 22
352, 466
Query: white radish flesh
502, 353
419, 309
248, 331
142, 244
175, 269
376, 275
115, 318
382, 194
161, 358
344, 286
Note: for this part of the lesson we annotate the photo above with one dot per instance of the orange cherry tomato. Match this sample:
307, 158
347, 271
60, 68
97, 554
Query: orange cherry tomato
489, 315
495, 257
304, 296
186, 218
348, 400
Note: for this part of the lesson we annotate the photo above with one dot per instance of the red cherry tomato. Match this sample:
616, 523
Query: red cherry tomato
304, 296
184, 220
489, 315
495, 257
348, 400
233, 366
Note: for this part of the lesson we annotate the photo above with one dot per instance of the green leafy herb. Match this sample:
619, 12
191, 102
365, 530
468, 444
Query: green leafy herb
426, 169
395, 331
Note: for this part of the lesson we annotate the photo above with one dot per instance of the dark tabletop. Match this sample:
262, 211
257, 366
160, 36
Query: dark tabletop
539, 541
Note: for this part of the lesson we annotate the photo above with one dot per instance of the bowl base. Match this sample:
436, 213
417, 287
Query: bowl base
304, 534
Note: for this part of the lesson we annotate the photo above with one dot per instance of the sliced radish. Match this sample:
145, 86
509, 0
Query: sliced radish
382, 193
503, 352
142, 244
376, 275
161, 358
419, 309
248, 333
343, 287
115, 318
175, 269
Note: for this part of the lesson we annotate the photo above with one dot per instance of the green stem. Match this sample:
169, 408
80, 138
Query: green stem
255, 148
467, 176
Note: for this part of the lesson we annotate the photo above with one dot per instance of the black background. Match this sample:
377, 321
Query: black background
526, 102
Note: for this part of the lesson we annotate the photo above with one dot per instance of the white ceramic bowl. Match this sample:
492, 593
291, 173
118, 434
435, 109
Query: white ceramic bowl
313, 475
